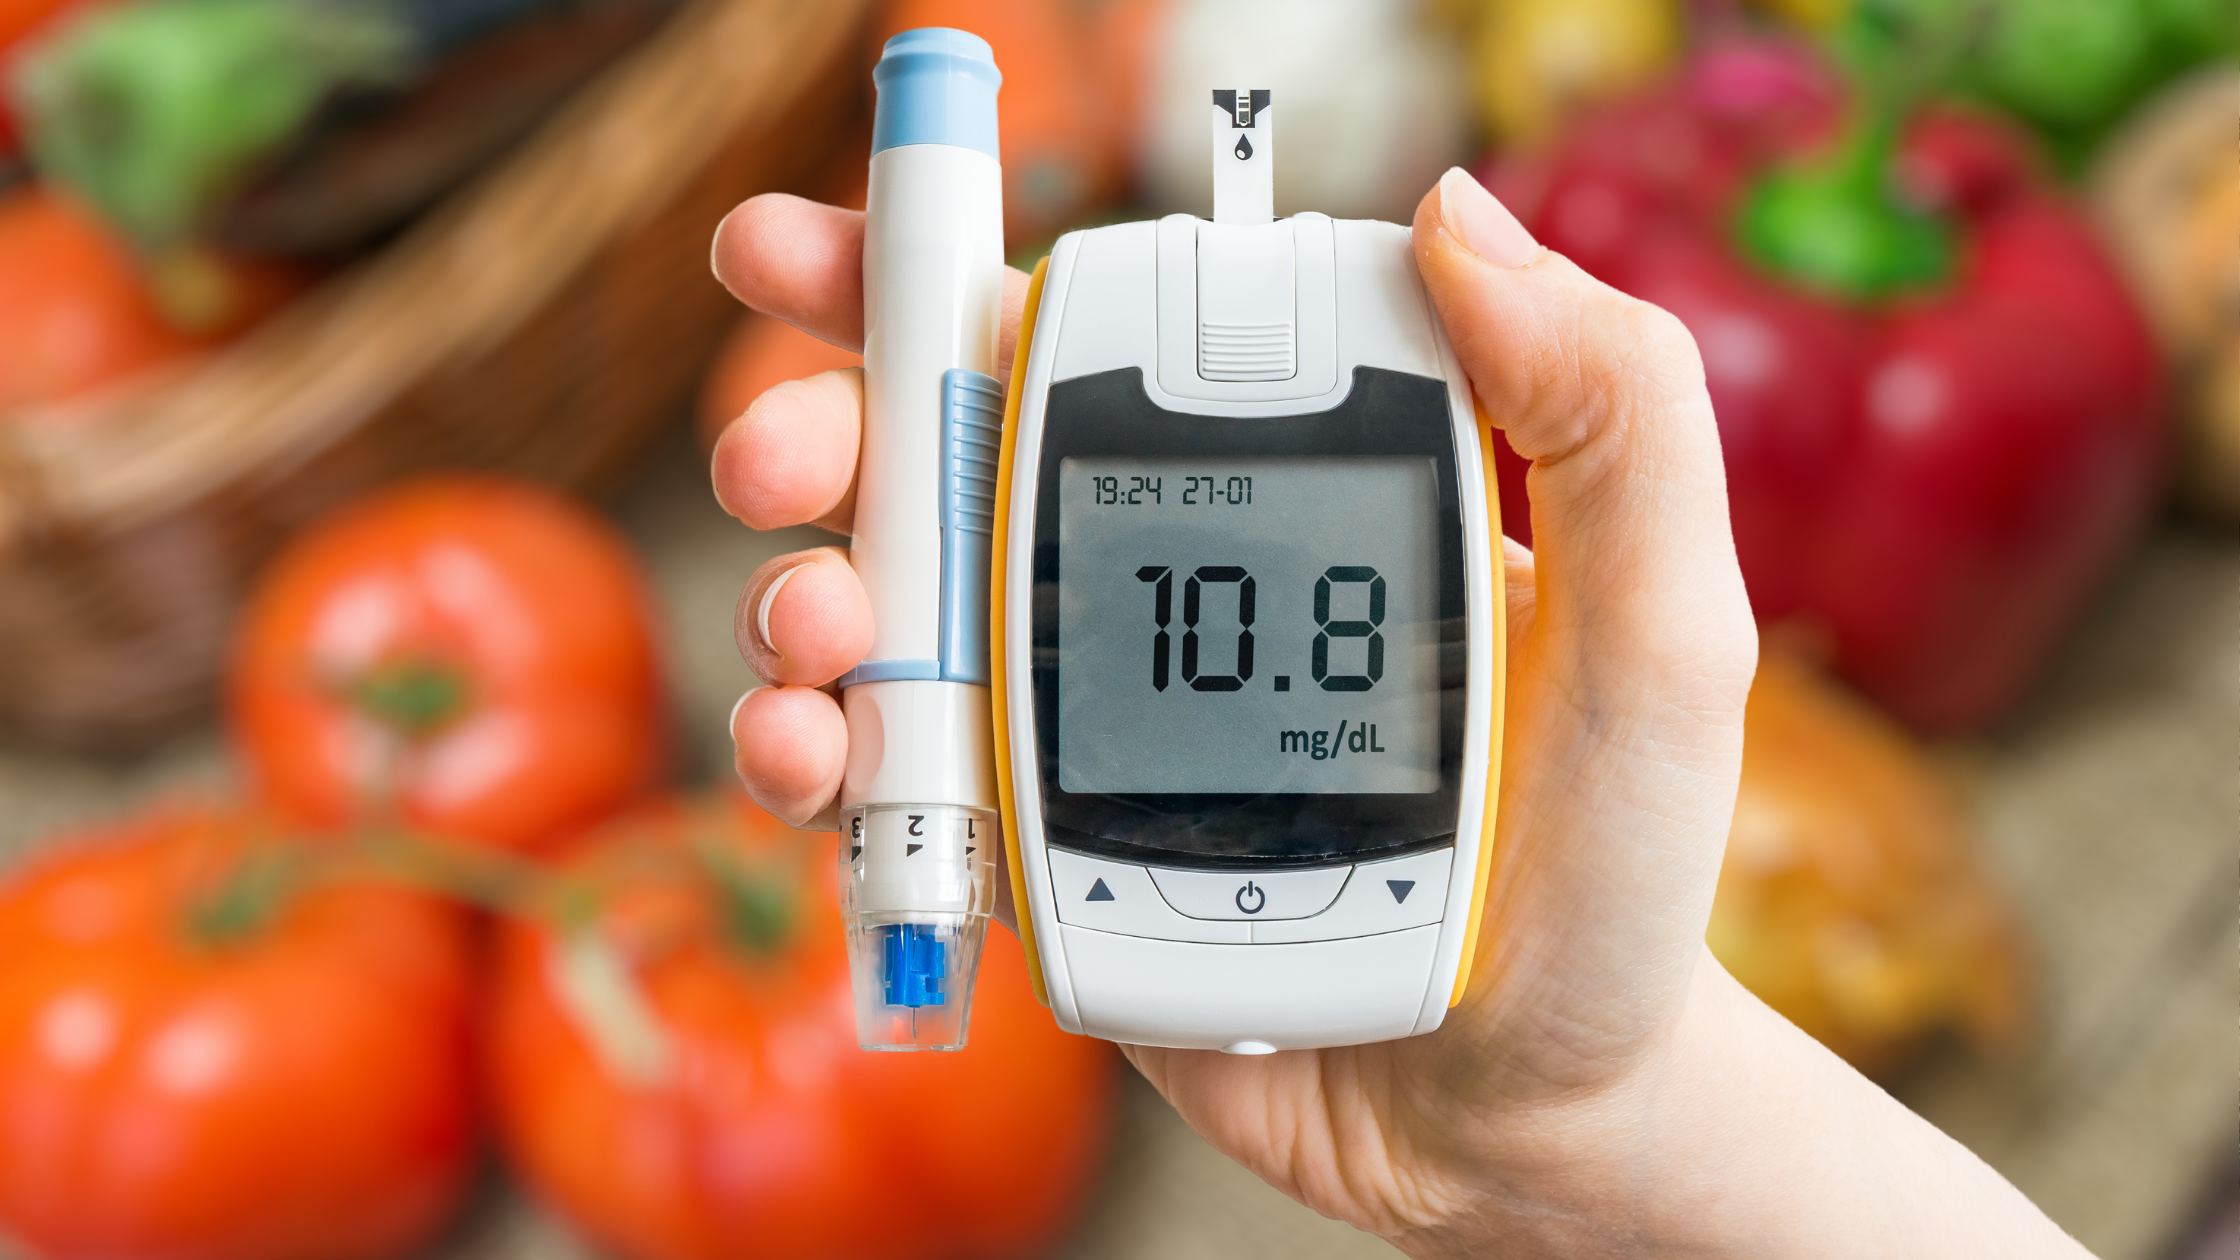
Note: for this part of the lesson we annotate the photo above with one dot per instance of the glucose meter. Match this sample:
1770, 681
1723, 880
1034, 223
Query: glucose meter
1246, 627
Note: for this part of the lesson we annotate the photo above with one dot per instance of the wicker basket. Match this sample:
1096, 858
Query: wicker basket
548, 321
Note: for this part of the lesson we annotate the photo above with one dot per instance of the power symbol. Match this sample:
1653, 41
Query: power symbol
1258, 896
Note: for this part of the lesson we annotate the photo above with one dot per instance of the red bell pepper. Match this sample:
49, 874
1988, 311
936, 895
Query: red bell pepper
1939, 405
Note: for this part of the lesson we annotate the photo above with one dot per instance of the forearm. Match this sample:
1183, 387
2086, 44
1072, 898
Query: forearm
1744, 1137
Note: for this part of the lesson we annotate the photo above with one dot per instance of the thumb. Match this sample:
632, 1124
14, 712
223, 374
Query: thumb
1639, 597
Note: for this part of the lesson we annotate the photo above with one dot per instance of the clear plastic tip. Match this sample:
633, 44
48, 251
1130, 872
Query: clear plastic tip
918, 885
913, 981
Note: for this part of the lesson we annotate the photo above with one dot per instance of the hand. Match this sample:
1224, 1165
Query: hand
1604, 1087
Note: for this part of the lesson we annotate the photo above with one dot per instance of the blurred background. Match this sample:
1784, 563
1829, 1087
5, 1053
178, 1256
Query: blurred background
372, 884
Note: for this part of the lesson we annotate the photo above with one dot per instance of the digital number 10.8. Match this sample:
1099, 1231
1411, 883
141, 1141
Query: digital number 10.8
1161, 580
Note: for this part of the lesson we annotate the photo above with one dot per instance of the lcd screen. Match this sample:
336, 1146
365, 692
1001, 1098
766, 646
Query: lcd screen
1255, 625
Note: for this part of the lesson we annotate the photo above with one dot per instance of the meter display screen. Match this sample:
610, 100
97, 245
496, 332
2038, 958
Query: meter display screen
1249, 625
1248, 639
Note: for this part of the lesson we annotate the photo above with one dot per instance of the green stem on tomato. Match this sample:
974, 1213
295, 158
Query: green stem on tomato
415, 698
475, 874
247, 896
755, 907
258, 885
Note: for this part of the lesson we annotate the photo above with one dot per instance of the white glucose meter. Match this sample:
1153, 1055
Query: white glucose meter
1246, 627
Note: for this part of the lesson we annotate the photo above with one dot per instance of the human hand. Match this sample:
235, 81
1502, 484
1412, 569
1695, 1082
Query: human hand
1600, 1057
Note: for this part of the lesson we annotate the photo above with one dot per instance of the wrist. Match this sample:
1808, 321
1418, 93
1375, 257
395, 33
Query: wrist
1732, 1133
1590, 1170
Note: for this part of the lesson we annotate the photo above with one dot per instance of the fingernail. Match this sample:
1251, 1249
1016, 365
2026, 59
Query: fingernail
732, 723
1480, 221
715, 243
769, 597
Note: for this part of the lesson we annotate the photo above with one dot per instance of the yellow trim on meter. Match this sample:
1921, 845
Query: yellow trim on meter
996, 672
1497, 714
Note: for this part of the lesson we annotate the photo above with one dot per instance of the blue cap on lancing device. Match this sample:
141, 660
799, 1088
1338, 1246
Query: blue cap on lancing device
936, 86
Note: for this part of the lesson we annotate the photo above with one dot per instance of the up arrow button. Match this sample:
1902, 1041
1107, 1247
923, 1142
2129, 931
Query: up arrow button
1400, 888
1115, 897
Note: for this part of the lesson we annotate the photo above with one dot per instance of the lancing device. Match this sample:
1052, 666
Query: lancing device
918, 801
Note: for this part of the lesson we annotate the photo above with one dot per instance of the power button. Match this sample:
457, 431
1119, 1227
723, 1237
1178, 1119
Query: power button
1260, 896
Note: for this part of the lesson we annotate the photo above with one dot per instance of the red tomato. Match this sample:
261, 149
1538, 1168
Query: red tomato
74, 313
469, 656
184, 1079
680, 1076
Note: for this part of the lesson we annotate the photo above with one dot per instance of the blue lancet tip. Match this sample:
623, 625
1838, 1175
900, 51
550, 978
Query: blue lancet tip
917, 964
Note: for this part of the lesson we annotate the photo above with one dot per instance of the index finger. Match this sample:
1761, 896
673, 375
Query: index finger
797, 259
802, 261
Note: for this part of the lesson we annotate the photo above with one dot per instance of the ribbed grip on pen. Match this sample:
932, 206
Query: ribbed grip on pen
971, 438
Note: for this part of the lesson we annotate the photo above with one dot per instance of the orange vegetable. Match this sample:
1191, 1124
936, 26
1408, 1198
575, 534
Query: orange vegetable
467, 656
202, 1060
1851, 901
74, 313
760, 352
78, 311
673, 1052
1060, 138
